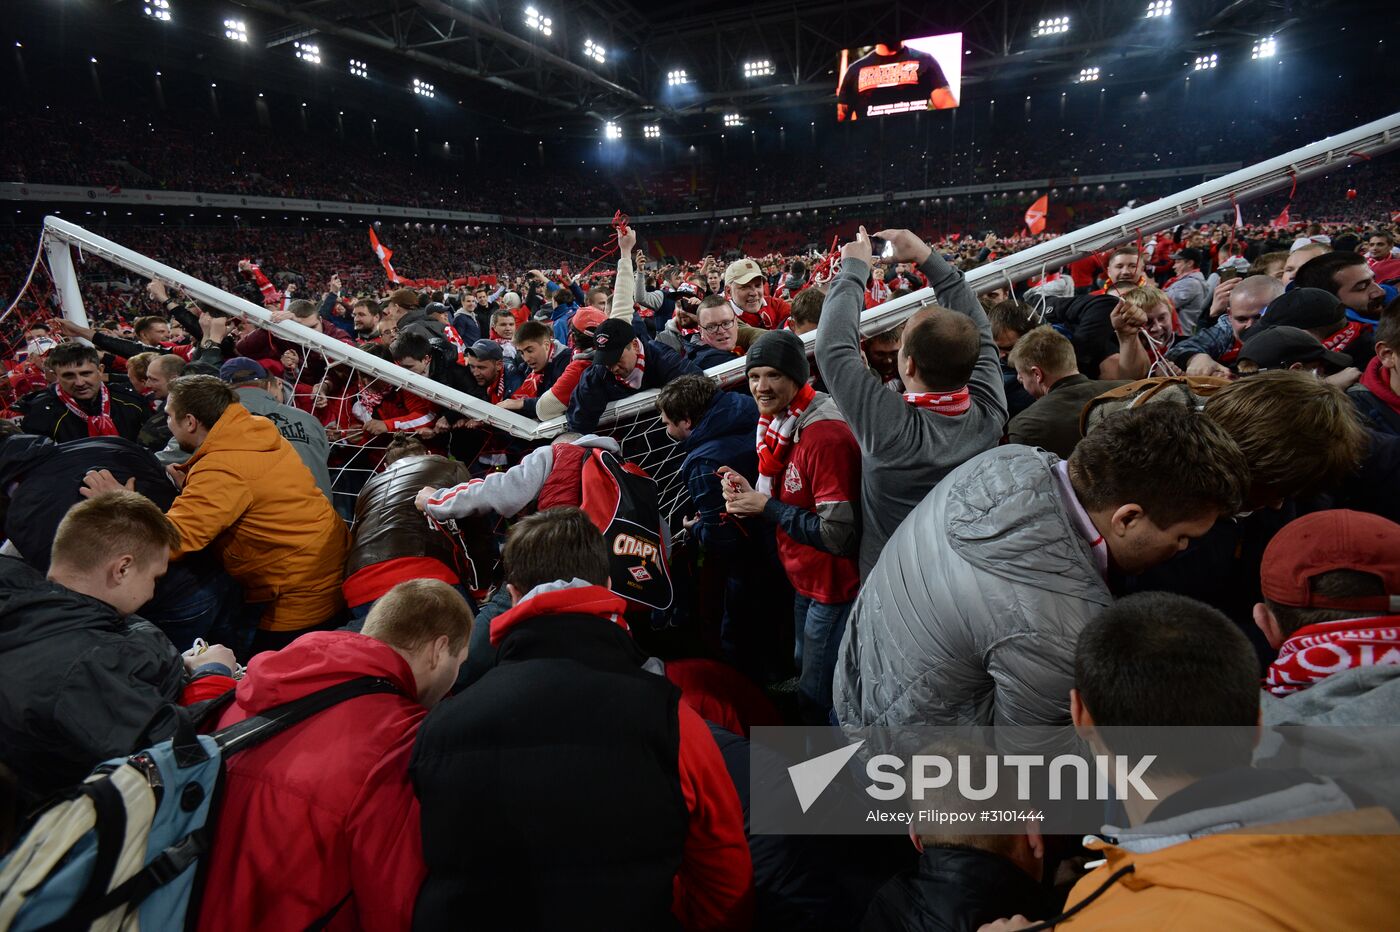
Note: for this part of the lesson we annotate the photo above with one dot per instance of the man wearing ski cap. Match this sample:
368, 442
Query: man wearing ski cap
744, 285
623, 365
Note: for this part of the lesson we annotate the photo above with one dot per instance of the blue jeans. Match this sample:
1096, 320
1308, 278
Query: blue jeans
818, 641
197, 599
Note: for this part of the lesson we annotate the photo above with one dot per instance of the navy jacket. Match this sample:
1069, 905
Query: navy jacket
599, 386
724, 436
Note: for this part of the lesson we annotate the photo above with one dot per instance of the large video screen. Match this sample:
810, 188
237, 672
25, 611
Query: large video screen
900, 77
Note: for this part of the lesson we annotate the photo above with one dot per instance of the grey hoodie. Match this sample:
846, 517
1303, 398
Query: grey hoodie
306, 434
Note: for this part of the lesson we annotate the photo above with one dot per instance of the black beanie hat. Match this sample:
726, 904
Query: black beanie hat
782, 350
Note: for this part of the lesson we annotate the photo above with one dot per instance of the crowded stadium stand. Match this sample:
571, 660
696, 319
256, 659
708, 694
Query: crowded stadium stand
642, 466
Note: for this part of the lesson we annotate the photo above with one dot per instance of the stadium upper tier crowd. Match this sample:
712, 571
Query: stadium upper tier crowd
137, 145
1159, 486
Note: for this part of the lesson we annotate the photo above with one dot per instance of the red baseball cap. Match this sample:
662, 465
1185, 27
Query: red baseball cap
1332, 540
588, 318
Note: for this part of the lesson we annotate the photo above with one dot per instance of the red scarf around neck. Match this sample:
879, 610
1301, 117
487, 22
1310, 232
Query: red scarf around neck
634, 378
1376, 380
1340, 340
775, 438
99, 424
1317, 651
949, 403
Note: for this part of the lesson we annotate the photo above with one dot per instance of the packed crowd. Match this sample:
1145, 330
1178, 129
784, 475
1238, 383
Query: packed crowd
136, 144
1154, 487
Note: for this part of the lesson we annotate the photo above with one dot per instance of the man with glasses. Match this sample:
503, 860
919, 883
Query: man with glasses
722, 337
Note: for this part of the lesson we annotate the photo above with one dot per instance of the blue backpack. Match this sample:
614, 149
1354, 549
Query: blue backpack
121, 851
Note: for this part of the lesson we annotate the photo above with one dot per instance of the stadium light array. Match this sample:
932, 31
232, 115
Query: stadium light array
538, 21
235, 30
595, 51
1088, 74
424, 89
308, 52
1054, 26
1159, 8
733, 119
758, 69
358, 68
1206, 62
1265, 48
651, 132
677, 77
157, 9
612, 130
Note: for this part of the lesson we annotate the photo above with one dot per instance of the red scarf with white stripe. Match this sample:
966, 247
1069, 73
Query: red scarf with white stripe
1317, 651
634, 378
949, 403
775, 438
879, 292
1340, 340
497, 393
99, 424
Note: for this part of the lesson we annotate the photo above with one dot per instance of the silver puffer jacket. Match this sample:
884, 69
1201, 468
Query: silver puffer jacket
972, 612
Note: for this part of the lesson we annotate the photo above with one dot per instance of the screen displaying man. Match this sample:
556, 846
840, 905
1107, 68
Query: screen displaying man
897, 77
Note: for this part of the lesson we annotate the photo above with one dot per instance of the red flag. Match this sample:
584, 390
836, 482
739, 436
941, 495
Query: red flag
384, 254
1035, 215
1281, 220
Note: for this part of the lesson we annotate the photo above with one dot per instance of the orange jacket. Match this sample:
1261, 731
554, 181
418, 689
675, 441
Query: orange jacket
1245, 880
248, 493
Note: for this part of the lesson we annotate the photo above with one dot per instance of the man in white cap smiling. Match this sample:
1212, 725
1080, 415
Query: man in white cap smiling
744, 285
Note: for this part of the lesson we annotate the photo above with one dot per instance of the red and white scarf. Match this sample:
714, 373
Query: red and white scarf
1340, 340
879, 292
452, 337
497, 393
1317, 651
634, 378
949, 403
99, 424
775, 439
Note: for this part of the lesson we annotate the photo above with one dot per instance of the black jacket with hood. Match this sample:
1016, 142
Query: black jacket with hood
79, 683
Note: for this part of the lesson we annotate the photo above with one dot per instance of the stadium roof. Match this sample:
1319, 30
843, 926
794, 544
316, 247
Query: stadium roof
547, 64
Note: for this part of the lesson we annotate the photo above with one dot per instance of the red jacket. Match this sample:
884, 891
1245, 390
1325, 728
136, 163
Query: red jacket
823, 467
325, 809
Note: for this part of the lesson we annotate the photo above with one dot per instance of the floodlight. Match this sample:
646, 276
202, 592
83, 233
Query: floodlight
235, 30
1088, 74
1159, 8
358, 68
1265, 48
1051, 27
538, 21
157, 9
733, 119
677, 77
1206, 62
758, 69
308, 52
595, 51
424, 89
651, 132
612, 130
